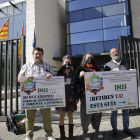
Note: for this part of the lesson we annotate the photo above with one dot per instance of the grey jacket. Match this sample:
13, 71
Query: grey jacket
111, 65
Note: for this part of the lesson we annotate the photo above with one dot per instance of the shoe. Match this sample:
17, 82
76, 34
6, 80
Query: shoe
27, 138
85, 135
129, 133
100, 136
87, 138
50, 138
115, 134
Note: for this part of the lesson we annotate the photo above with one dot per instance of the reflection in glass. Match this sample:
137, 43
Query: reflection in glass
75, 16
18, 9
10, 10
92, 13
104, 2
82, 4
114, 21
114, 33
77, 49
94, 48
87, 25
3, 12
18, 24
108, 45
86, 37
114, 9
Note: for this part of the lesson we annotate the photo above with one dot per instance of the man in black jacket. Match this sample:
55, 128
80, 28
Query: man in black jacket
117, 64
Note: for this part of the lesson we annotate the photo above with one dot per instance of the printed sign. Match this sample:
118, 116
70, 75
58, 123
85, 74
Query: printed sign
110, 91
42, 92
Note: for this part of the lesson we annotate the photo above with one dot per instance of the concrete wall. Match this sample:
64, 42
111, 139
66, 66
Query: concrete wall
49, 21
135, 10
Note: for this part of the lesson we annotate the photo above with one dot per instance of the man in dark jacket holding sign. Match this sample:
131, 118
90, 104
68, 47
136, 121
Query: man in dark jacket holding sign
117, 64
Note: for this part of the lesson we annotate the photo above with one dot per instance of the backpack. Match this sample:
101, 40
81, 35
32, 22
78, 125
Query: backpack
11, 123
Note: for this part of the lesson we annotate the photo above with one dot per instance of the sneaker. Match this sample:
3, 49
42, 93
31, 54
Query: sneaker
100, 136
115, 134
87, 138
50, 138
129, 133
27, 138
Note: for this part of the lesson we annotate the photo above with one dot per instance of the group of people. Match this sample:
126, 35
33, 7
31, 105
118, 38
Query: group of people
74, 91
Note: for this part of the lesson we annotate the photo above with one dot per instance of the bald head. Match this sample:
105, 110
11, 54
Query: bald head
114, 54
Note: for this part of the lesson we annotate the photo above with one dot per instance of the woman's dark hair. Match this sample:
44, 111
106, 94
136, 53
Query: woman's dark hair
38, 49
62, 69
83, 62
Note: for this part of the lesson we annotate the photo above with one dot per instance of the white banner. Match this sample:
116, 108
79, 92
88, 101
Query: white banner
42, 92
110, 91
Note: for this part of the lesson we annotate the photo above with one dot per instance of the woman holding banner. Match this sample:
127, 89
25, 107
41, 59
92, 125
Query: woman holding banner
87, 65
70, 95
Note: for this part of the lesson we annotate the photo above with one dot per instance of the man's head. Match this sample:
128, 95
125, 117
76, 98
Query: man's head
114, 54
37, 54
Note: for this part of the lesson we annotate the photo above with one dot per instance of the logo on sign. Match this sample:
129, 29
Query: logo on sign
94, 84
121, 87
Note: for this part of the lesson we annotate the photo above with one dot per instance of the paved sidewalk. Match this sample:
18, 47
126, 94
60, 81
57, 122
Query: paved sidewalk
105, 127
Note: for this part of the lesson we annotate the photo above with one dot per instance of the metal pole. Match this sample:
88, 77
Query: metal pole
5, 96
16, 75
0, 78
11, 79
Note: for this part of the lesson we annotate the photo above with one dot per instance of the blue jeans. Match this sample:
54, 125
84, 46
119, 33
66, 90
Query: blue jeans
125, 114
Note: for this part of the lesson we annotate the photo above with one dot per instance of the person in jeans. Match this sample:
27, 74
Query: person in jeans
70, 94
87, 65
117, 64
33, 69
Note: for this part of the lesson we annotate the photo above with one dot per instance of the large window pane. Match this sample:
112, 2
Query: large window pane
87, 25
2, 21
18, 9
108, 45
94, 48
10, 10
75, 16
92, 13
114, 9
2, 1
93, 36
82, 4
114, 21
104, 2
113, 33
24, 6
3, 12
11, 25
77, 49
18, 23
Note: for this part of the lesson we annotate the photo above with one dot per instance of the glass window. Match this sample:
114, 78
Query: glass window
82, 4
104, 2
75, 16
2, 1
18, 9
127, 7
114, 9
114, 21
108, 45
92, 13
11, 25
24, 6
3, 13
10, 10
18, 23
87, 25
128, 20
77, 49
2, 21
94, 48
93, 36
113, 33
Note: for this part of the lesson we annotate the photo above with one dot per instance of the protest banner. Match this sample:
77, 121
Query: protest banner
110, 91
42, 92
